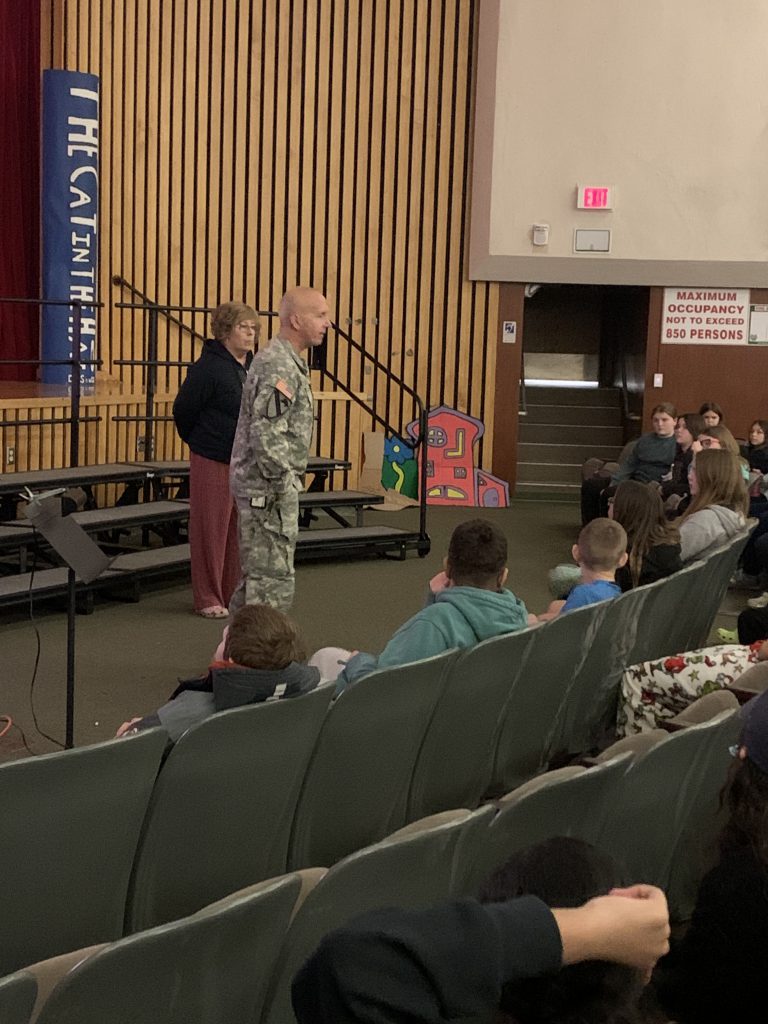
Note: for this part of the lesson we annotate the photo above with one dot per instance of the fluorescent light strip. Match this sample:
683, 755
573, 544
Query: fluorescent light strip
542, 382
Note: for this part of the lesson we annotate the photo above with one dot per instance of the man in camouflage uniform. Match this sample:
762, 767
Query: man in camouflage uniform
269, 456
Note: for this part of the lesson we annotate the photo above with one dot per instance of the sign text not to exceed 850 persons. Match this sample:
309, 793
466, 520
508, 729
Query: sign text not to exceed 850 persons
705, 316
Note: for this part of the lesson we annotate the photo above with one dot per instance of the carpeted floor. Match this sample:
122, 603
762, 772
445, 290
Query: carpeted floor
130, 655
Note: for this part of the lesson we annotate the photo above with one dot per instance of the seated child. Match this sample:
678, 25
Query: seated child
263, 658
600, 550
653, 691
466, 604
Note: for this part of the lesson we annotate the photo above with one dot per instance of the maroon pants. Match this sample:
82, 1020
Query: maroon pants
212, 533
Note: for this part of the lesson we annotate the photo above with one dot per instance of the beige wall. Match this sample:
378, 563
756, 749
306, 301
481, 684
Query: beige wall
664, 101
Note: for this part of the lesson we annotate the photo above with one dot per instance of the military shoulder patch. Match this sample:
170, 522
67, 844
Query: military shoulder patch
283, 388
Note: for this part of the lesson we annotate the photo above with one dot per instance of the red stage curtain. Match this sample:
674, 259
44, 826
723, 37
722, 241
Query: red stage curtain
19, 182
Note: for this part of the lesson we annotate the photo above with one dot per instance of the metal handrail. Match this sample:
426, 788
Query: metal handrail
74, 361
624, 389
155, 309
120, 282
423, 418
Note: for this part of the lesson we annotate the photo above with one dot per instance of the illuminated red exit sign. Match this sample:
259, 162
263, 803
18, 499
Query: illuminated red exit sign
594, 197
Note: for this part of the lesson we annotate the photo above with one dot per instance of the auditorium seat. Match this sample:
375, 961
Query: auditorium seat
700, 610
356, 787
702, 710
17, 997
411, 868
667, 603
71, 824
569, 801
211, 968
455, 763
587, 716
752, 682
636, 744
664, 821
527, 730
222, 808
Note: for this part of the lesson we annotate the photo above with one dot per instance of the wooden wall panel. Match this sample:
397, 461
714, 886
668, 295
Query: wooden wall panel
250, 145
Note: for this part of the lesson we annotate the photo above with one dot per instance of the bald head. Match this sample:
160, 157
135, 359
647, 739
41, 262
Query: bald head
303, 318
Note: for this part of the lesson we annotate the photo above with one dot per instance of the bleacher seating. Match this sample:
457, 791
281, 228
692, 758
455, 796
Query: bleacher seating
211, 968
227, 791
411, 868
72, 838
160, 513
71, 824
17, 997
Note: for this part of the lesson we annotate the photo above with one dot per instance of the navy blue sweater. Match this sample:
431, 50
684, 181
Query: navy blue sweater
208, 404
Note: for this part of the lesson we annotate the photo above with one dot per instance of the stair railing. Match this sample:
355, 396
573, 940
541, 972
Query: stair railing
75, 362
154, 310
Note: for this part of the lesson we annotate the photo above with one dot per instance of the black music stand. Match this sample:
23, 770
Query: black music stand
85, 561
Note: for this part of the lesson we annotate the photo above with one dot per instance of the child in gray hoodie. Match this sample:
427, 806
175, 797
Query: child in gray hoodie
719, 507
263, 658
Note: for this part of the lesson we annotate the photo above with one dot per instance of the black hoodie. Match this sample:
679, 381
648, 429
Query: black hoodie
208, 403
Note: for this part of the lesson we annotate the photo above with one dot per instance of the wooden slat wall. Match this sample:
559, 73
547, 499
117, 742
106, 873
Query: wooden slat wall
250, 145
105, 440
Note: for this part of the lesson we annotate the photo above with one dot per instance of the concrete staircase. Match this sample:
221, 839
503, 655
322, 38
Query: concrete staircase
563, 427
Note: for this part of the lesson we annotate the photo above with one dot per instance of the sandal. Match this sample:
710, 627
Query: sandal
214, 612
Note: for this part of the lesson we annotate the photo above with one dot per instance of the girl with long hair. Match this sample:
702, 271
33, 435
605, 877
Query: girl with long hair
756, 451
756, 456
719, 503
674, 486
653, 542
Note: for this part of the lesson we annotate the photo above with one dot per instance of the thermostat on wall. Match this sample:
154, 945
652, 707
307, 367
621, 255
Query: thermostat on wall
590, 240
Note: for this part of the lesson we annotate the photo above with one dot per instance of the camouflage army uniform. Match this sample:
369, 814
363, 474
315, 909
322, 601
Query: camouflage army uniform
269, 457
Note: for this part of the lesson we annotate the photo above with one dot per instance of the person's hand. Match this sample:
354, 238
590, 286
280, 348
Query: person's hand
439, 582
127, 726
762, 654
628, 926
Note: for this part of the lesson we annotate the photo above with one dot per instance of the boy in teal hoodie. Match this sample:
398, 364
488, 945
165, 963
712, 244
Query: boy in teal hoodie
467, 603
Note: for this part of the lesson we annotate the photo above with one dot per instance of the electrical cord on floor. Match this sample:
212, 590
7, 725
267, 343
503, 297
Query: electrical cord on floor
39, 648
10, 724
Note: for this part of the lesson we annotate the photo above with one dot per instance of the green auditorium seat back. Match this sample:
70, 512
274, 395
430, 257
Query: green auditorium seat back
356, 787
587, 715
667, 604
702, 608
528, 727
411, 868
17, 997
71, 824
221, 812
211, 968
569, 801
665, 819
455, 763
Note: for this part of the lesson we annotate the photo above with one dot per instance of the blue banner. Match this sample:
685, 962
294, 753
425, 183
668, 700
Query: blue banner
70, 203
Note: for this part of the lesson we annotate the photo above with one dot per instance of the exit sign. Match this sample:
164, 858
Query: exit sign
594, 197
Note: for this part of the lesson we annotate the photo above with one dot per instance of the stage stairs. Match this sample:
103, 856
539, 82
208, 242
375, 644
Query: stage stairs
561, 428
